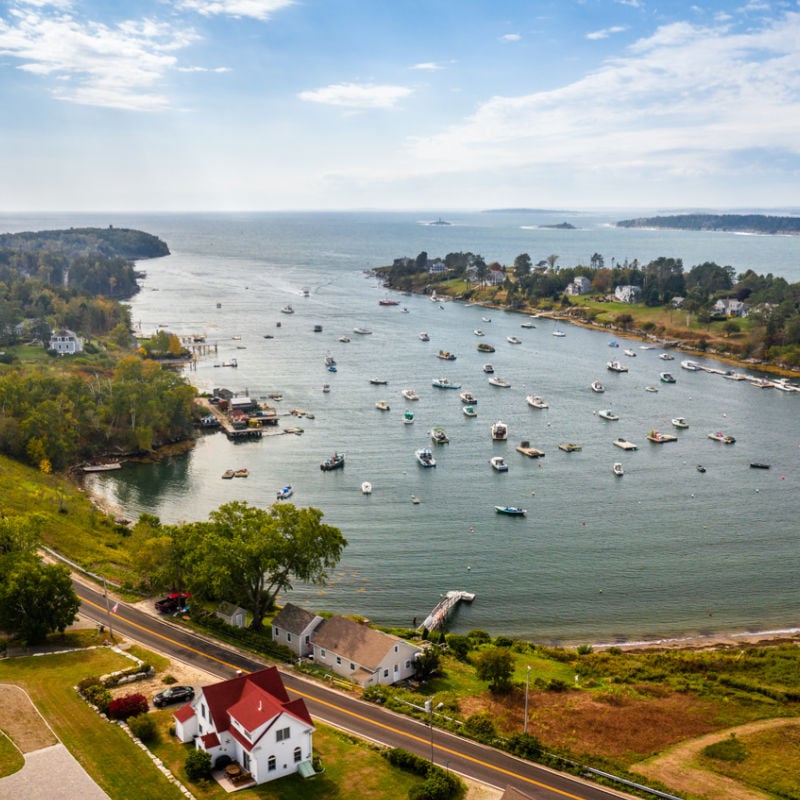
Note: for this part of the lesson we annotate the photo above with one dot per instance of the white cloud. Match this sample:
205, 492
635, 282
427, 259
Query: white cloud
217, 70
510, 37
255, 9
95, 64
357, 95
63, 4
687, 99
429, 66
605, 32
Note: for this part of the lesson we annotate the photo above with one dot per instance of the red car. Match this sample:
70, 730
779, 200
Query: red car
173, 602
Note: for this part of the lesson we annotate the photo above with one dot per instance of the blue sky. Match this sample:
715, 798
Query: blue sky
398, 104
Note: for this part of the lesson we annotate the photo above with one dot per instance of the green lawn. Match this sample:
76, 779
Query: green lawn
11, 760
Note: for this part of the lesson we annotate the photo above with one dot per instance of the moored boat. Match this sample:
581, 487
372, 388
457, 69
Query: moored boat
499, 431
666, 377
425, 337
511, 511
661, 438
469, 398
382, 405
534, 401
525, 448
700, 468
680, 422
496, 381
692, 366
408, 417
616, 366
570, 447
666, 356
469, 411
439, 436
607, 413
630, 353
326, 387
410, 394
362, 331
559, 333
598, 387
617, 468
488, 369
759, 465
650, 389
287, 310
386, 302
336, 461
446, 355
378, 381
513, 340
228, 474
483, 347
721, 437
285, 493
242, 472
425, 457
444, 383
366, 487
498, 463
478, 332
344, 339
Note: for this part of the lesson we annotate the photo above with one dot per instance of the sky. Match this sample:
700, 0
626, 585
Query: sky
229, 105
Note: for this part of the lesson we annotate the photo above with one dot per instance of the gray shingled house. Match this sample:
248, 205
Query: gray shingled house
293, 626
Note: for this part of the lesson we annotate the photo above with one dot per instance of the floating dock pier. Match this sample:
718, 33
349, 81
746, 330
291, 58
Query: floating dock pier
444, 608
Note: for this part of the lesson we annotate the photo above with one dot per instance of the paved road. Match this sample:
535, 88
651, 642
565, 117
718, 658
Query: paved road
366, 720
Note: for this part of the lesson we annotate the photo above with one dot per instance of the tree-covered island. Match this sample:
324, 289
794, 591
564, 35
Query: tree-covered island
736, 223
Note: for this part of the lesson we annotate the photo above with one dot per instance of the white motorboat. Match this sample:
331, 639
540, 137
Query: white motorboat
650, 389
468, 398
534, 401
559, 333
366, 487
680, 422
488, 369
378, 381
362, 331
382, 405
287, 310
692, 366
616, 366
647, 347
617, 468
425, 457
513, 340
425, 337
666, 377
344, 339
607, 413
486, 319
666, 356
478, 332
527, 325
629, 352
469, 411
598, 387
498, 463
285, 493
410, 394
438, 436
499, 382
499, 431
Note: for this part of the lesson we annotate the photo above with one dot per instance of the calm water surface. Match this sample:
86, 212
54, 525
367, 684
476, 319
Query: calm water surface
663, 551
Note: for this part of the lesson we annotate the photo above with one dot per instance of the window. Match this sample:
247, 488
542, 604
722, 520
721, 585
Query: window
246, 761
288, 636
308, 639
322, 652
408, 665
352, 666
271, 764
386, 673
275, 633
298, 755
282, 734
396, 670
338, 659
396, 649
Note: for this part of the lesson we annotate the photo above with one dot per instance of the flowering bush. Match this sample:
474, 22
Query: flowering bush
128, 705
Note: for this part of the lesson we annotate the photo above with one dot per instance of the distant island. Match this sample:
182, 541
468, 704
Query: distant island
738, 223
561, 226
76, 242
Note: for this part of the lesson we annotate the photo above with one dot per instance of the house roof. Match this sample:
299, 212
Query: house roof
184, 713
294, 619
252, 700
511, 793
360, 643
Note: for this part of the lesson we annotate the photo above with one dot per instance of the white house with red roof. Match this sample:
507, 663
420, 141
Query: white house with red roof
251, 720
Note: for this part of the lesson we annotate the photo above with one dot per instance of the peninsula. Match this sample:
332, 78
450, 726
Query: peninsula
737, 223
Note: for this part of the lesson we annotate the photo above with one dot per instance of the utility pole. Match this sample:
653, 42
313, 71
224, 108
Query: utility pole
108, 612
527, 686
429, 709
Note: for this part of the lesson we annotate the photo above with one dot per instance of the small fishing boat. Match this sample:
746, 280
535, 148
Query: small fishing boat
468, 398
410, 394
366, 487
329, 361
680, 422
647, 347
613, 343
486, 319
630, 353
469, 411
692, 366
511, 511
721, 437
527, 325
483, 347
700, 468
617, 468
534, 401
446, 355
408, 417
386, 302
598, 387
382, 405
498, 464
362, 331
332, 368
287, 310
444, 383
478, 332
499, 382
425, 457
758, 465
650, 389
242, 472
607, 413
559, 333
285, 493
326, 387
499, 431
666, 356
425, 337
666, 377
344, 339
513, 340
439, 436
228, 474
378, 381
488, 369
336, 461
616, 366
415, 499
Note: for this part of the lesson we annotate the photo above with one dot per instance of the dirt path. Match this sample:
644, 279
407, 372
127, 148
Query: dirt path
675, 768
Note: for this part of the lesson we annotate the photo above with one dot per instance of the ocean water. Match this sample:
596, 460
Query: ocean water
661, 552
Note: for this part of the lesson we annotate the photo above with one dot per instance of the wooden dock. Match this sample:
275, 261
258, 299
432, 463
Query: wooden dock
444, 609
625, 444
526, 450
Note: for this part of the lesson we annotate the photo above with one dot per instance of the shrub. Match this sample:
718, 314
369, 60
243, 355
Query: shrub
405, 760
584, 649
459, 646
98, 696
730, 749
503, 641
479, 637
480, 726
198, 766
129, 705
556, 685
439, 785
93, 680
376, 694
524, 745
143, 727
169, 680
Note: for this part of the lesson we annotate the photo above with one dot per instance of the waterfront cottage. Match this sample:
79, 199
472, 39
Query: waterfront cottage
628, 294
362, 654
581, 285
730, 307
249, 720
293, 627
66, 342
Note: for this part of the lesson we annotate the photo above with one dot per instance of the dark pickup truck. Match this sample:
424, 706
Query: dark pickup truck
172, 602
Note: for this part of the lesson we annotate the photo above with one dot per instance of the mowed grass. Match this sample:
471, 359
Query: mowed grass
105, 751
11, 760
772, 763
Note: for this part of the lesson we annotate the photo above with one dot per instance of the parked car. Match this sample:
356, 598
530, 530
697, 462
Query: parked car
174, 694
172, 602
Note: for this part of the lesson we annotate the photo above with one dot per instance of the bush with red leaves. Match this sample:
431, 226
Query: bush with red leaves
128, 705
